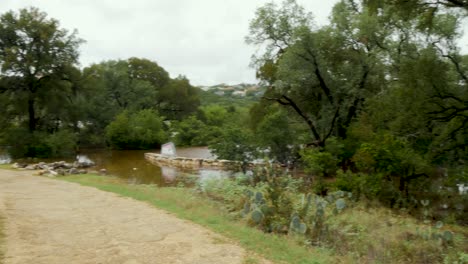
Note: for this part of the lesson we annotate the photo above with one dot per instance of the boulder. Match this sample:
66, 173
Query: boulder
17, 165
43, 166
30, 167
52, 173
73, 171
82, 161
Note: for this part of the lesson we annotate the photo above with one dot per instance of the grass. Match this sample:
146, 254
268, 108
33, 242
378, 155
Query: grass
185, 204
6, 167
379, 235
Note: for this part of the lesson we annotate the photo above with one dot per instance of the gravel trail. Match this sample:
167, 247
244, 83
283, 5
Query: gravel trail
49, 221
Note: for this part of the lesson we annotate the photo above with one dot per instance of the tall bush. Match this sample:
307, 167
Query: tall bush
139, 130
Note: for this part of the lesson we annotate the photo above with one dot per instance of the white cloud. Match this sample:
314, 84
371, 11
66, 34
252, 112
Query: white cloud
203, 40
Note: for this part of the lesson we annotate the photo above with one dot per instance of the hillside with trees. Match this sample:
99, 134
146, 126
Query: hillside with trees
372, 106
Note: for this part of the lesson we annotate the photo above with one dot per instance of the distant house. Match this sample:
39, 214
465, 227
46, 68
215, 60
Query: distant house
239, 93
205, 88
227, 88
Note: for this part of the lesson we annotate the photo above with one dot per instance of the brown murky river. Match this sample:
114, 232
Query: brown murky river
132, 166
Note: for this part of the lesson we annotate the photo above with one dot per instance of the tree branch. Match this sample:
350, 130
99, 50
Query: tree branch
284, 100
323, 85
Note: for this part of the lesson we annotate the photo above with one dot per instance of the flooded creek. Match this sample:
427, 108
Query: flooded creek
132, 166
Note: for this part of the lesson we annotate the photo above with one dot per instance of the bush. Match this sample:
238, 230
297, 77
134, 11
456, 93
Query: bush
61, 144
193, 132
235, 143
140, 130
360, 184
40, 144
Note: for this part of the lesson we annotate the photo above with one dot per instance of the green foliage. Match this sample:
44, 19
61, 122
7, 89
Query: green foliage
62, 143
178, 99
234, 144
22, 143
190, 132
140, 130
360, 184
272, 201
390, 155
320, 163
213, 115
134, 84
38, 61
278, 136
393, 99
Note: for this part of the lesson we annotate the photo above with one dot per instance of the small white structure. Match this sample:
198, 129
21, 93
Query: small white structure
168, 149
5, 159
462, 188
239, 93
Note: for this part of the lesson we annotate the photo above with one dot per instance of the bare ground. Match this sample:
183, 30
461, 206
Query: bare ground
50, 221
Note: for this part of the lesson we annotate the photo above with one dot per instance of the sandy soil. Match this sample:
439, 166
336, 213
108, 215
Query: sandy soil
50, 221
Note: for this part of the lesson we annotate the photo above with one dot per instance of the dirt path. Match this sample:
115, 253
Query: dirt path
50, 221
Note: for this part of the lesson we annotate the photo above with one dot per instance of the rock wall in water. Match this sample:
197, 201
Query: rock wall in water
194, 163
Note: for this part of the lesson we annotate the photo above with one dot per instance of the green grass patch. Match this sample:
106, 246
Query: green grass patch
6, 167
186, 204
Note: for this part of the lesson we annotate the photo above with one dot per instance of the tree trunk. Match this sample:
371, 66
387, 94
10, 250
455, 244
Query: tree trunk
32, 114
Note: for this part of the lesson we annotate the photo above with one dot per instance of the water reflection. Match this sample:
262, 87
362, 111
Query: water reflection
169, 174
5, 158
132, 165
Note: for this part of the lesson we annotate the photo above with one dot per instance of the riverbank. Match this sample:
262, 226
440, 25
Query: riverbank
364, 234
186, 204
50, 221
361, 234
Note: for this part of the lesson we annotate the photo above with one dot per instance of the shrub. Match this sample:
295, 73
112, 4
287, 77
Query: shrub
40, 144
62, 143
140, 130
193, 132
235, 143
360, 184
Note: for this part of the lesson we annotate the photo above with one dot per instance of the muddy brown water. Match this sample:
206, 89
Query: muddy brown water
132, 166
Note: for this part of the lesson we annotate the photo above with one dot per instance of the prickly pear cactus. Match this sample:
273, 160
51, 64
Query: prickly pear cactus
246, 209
259, 198
340, 204
248, 193
297, 226
447, 236
257, 216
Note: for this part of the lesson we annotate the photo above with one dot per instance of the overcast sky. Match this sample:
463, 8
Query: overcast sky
201, 39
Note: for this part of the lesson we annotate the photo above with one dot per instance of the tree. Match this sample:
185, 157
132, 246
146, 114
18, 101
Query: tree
322, 76
137, 84
178, 98
277, 133
236, 144
39, 58
410, 9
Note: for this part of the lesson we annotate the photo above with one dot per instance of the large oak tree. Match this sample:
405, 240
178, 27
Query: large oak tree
38, 60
